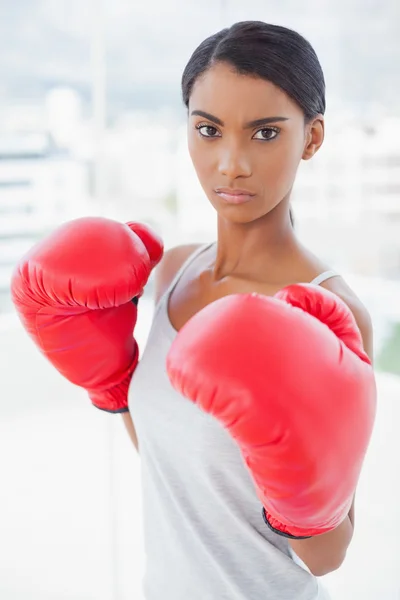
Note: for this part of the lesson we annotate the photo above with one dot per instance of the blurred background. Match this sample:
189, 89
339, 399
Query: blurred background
91, 123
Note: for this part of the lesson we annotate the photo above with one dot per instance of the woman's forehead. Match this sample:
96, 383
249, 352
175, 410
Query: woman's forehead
222, 89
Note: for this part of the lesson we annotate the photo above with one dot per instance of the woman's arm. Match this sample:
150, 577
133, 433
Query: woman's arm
325, 553
164, 274
127, 419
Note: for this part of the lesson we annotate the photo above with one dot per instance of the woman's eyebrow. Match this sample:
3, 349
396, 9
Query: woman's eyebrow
265, 121
206, 115
250, 125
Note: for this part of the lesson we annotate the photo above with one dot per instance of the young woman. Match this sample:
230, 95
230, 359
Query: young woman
255, 99
255, 96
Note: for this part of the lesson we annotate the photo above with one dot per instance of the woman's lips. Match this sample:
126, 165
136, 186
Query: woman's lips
235, 196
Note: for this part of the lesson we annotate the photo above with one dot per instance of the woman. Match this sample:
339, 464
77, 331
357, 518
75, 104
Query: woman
255, 95
255, 99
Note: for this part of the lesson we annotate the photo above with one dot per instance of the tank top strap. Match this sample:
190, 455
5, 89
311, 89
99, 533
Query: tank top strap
180, 272
323, 277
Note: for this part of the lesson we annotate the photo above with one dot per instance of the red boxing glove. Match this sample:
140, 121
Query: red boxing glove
287, 376
75, 294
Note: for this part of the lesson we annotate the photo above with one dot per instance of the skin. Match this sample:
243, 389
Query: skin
257, 249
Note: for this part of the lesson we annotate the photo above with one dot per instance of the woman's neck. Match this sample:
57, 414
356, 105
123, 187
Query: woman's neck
246, 249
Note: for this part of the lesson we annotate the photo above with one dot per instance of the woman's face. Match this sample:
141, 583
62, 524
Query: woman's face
246, 139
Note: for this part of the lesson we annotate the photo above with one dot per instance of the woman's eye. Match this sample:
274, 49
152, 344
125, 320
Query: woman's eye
266, 134
207, 130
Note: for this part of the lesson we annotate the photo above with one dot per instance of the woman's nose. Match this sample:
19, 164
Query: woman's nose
234, 163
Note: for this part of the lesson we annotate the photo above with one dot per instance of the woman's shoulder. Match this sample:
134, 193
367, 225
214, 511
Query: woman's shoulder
341, 288
169, 266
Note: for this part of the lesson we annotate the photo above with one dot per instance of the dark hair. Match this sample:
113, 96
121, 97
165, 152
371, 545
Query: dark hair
291, 216
270, 52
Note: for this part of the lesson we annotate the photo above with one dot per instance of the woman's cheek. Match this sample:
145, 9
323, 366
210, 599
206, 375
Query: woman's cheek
287, 162
203, 162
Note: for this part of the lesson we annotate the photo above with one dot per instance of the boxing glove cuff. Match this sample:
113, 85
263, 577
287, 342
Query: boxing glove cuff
283, 533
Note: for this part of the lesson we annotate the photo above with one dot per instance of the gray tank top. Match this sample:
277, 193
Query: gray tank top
204, 535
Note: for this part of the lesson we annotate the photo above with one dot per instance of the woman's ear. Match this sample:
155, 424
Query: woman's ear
314, 136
